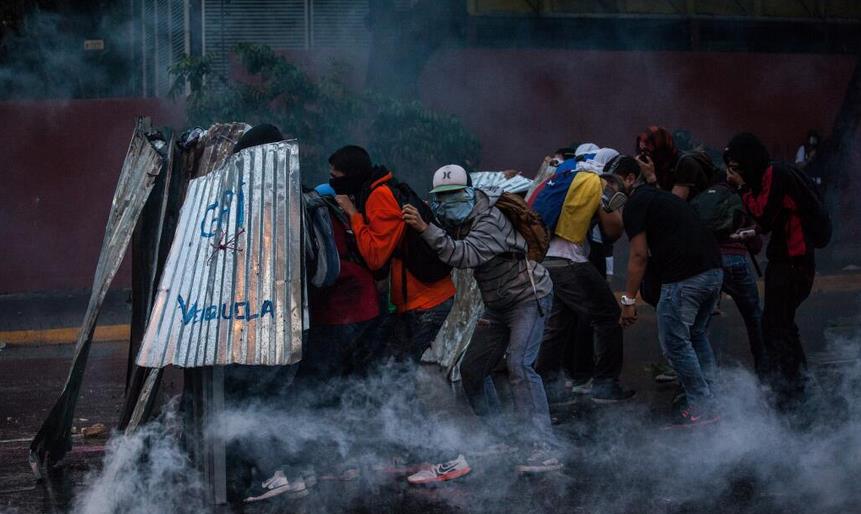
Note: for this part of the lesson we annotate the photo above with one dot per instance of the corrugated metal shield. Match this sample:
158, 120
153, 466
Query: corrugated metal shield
232, 291
510, 184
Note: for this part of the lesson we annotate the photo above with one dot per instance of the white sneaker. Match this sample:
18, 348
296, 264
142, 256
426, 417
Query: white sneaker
541, 460
277, 485
441, 472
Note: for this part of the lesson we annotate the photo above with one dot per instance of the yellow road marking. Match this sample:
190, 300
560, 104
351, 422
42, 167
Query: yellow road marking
64, 335
843, 282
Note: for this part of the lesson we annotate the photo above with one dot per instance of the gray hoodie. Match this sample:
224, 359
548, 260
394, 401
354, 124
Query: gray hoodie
496, 250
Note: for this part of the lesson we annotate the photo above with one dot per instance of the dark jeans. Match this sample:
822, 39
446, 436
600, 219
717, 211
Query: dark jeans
407, 335
684, 311
787, 284
739, 283
580, 292
337, 350
517, 331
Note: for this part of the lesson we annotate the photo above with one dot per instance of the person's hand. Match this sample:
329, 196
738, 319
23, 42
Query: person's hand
734, 177
413, 218
346, 204
647, 168
510, 173
629, 316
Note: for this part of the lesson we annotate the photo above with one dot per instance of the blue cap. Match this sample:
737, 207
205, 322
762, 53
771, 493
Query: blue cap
325, 189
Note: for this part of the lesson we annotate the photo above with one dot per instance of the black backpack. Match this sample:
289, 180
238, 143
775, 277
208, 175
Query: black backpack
815, 219
720, 209
419, 258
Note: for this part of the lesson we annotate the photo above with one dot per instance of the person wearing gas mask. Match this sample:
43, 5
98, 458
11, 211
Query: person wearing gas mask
378, 227
517, 293
580, 291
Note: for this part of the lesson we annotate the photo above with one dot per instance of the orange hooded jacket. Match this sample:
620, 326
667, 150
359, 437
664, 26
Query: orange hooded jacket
377, 240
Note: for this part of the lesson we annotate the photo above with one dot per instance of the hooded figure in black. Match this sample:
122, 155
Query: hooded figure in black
770, 194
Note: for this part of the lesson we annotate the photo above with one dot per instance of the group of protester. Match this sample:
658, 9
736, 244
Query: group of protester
538, 262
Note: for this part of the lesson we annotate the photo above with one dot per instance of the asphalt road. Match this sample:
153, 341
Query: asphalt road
602, 474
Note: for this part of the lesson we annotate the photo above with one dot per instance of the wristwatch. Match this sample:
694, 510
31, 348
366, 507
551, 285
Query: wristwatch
627, 302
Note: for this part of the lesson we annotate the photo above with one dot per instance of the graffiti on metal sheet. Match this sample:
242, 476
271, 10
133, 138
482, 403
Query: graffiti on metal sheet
235, 310
217, 213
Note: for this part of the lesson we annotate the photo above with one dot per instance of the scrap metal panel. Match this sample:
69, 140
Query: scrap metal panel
499, 179
232, 289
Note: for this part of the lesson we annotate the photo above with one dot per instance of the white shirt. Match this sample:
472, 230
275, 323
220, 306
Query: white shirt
567, 250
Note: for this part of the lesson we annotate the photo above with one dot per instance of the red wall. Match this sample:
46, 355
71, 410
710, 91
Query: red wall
60, 160
60, 163
524, 104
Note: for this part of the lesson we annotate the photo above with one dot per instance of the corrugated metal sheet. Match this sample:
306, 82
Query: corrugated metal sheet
142, 165
217, 144
513, 184
232, 289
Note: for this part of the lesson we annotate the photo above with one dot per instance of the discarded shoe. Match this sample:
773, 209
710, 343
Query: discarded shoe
441, 472
662, 373
279, 485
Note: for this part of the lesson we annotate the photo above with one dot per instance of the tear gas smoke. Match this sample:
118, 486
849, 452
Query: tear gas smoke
617, 459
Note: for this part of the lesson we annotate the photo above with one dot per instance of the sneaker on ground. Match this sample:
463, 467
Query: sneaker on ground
279, 485
688, 418
582, 387
541, 460
611, 394
441, 472
668, 375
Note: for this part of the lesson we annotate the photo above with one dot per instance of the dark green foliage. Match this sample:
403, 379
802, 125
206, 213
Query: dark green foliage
324, 114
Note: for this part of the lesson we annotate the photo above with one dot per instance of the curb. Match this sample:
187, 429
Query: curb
103, 333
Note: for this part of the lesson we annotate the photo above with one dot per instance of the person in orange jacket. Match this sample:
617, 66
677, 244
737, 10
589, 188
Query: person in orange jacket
378, 227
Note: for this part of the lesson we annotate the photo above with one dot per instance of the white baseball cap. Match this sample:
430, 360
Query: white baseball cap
450, 177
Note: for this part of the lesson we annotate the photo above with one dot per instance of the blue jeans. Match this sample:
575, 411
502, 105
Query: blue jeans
684, 311
739, 283
518, 330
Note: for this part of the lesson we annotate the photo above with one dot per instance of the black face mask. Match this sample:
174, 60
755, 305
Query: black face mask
346, 185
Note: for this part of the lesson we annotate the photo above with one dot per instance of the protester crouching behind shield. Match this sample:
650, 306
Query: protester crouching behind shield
517, 294
367, 193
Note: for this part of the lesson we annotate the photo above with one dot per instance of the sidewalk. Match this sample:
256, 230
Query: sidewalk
55, 317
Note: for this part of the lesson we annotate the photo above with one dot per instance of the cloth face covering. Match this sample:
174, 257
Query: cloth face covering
452, 208
347, 184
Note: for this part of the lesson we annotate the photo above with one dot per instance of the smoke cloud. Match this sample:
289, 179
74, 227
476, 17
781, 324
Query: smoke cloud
618, 459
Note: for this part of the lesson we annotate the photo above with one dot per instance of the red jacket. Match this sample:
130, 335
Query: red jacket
353, 296
775, 211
